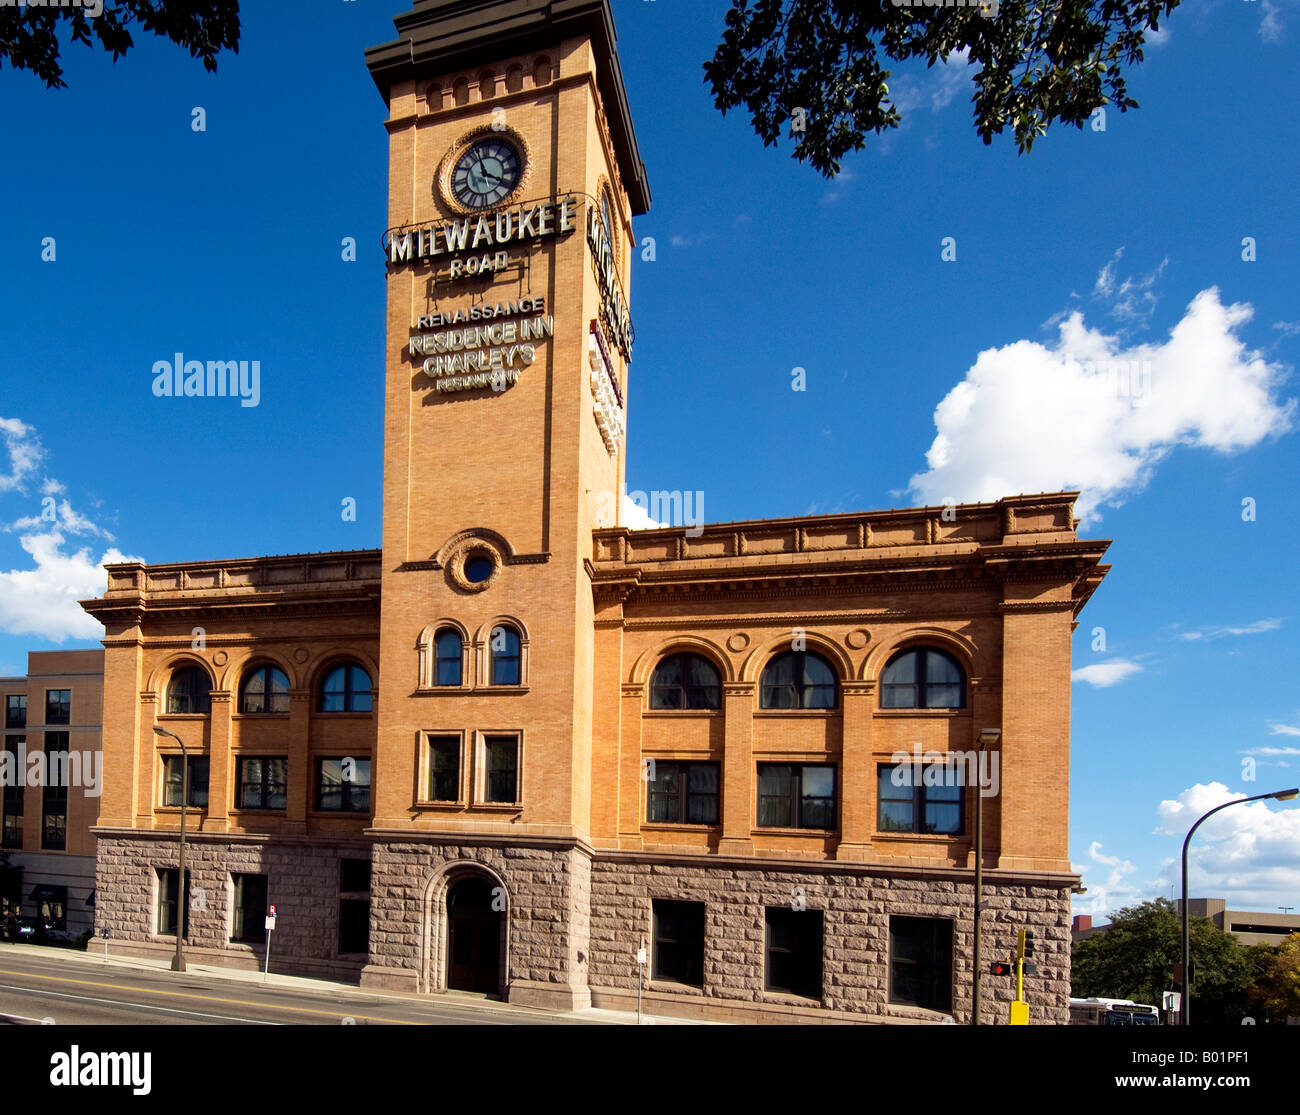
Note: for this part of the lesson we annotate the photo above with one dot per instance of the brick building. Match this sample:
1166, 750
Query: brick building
51, 773
558, 736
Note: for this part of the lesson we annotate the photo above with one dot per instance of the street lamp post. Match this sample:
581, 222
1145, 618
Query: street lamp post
988, 737
1185, 1012
178, 961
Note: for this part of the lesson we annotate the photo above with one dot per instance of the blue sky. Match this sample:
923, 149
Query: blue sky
1098, 329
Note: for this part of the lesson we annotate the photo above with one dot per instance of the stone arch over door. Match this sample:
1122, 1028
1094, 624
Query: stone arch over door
435, 935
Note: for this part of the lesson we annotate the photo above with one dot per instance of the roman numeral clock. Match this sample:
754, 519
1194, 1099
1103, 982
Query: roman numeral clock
486, 173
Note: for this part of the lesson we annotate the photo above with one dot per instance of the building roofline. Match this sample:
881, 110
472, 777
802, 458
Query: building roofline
449, 35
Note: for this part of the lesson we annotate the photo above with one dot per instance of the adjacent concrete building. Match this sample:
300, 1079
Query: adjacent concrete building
748, 748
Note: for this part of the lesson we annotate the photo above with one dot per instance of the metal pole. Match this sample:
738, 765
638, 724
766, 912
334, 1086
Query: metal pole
979, 889
1185, 1014
178, 961
266, 969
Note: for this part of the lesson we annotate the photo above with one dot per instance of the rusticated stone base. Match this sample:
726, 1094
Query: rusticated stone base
856, 907
302, 883
572, 920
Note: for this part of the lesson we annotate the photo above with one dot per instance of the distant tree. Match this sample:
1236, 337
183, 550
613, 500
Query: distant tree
1135, 958
30, 36
1277, 991
812, 68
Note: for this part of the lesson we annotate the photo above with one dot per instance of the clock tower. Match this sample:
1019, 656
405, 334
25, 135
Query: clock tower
514, 175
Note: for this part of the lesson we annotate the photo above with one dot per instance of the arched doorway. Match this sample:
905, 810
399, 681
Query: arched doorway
473, 937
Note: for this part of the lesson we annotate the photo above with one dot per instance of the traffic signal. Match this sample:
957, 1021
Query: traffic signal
1029, 942
1000, 968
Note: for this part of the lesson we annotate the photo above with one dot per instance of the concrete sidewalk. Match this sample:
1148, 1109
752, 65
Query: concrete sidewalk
93, 960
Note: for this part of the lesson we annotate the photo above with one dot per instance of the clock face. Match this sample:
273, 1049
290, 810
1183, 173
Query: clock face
486, 174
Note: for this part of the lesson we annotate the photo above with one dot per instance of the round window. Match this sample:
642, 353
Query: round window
478, 568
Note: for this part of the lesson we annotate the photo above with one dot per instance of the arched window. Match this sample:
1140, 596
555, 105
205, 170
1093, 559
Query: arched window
460, 92
190, 690
487, 85
686, 681
265, 690
798, 679
433, 97
447, 657
346, 688
542, 71
514, 79
923, 677
505, 657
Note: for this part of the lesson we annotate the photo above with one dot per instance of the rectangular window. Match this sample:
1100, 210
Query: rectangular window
679, 942
54, 797
262, 782
354, 925
16, 710
683, 793
796, 795
444, 768
52, 905
58, 706
354, 906
13, 796
920, 962
343, 785
173, 773
167, 877
250, 908
932, 805
794, 951
502, 769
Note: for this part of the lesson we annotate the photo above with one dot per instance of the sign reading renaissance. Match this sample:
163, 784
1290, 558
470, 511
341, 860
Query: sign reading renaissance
485, 346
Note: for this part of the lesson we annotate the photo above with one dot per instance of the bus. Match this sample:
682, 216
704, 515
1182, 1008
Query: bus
1112, 1012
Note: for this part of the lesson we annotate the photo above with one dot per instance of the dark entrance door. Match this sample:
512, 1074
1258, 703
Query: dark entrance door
473, 938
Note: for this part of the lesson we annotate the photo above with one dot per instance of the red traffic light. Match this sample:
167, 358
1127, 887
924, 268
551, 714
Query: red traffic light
1000, 968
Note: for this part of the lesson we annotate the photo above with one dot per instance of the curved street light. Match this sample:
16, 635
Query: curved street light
1185, 1012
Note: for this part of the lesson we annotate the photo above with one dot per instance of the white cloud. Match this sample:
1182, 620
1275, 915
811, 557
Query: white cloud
934, 89
1256, 628
1105, 674
1105, 895
1271, 22
43, 600
59, 516
1249, 854
1287, 328
1283, 730
1274, 750
25, 453
1092, 413
1157, 36
636, 517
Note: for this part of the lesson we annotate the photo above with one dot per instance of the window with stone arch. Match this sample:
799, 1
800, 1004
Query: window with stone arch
189, 691
542, 71
799, 679
923, 677
460, 92
505, 655
264, 692
346, 688
487, 85
686, 681
448, 652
